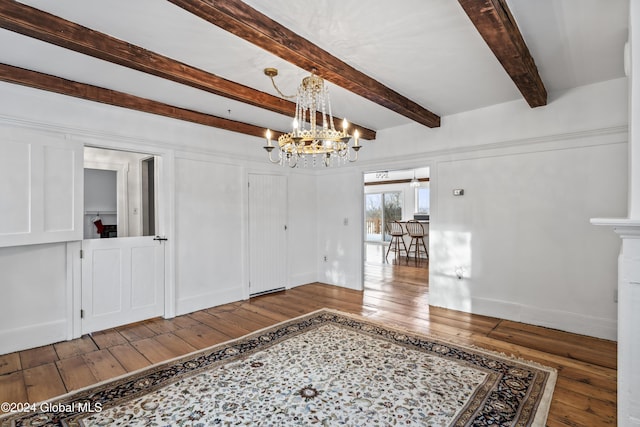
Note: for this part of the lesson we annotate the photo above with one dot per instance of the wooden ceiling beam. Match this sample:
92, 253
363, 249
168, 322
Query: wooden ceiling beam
32, 22
34, 79
496, 25
245, 22
395, 181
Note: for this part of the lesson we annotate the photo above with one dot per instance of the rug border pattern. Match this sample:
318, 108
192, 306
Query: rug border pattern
533, 403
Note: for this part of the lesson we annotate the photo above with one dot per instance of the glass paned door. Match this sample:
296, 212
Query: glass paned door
373, 217
381, 208
392, 211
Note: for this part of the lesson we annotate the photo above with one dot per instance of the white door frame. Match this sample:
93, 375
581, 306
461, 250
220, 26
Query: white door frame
396, 165
165, 173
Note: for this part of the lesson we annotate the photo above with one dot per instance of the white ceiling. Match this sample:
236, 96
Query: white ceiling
427, 50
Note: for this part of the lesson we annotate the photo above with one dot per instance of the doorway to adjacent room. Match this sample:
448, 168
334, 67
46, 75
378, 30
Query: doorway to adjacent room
394, 195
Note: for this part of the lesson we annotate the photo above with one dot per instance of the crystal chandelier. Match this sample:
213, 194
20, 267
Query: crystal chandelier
311, 143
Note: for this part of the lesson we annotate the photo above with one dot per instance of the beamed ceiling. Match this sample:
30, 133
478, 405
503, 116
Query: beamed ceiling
387, 63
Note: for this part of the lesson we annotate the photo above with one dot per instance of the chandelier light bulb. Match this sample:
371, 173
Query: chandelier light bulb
269, 137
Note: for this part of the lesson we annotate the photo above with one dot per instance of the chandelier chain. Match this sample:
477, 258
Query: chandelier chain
273, 82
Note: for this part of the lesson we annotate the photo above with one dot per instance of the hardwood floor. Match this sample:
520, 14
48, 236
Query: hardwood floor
396, 293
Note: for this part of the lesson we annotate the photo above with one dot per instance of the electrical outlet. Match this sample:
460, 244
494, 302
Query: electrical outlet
325, 258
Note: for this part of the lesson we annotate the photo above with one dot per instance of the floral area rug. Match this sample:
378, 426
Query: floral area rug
326, 368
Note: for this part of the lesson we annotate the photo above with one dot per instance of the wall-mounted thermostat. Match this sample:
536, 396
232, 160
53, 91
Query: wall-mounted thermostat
458, 192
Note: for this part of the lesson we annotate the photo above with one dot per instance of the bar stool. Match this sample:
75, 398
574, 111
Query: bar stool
397, 233
416, 231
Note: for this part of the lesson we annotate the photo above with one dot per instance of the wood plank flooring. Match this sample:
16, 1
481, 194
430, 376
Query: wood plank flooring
396, 293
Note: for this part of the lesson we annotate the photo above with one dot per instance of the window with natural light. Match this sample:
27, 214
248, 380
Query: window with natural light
422, 200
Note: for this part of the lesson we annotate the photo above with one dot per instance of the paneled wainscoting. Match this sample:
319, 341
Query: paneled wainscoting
395, 293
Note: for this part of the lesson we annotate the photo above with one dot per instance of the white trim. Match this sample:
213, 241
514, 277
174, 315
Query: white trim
17, 339
624, 227
208, 300
74, 289
244, 233
167, 226
69, 290
553, 142
577, 139
572, 322
303, 279
166, 199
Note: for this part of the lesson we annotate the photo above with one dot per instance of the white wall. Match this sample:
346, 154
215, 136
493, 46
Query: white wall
35, 296
533, 259
340, 219
632, 66
629, 260
597, 107
522, 237
209, 263
585, 122
205, 217
100, 190
302, 231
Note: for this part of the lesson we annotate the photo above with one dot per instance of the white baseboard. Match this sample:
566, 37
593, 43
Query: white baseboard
302, 279
563, 320
350, 285
32, 336
207, 300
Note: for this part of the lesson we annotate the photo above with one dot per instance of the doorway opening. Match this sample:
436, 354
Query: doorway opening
119, 194
148, 192
401, 195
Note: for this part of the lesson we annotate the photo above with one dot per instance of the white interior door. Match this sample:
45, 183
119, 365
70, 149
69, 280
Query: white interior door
122, 281
267, 233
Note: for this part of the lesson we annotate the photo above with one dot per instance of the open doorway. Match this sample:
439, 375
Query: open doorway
148, 198
396, 196
119, 194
